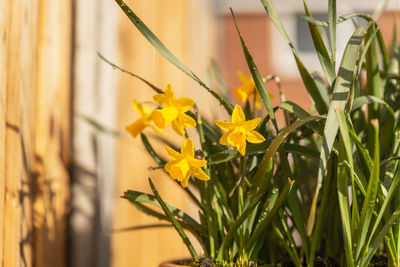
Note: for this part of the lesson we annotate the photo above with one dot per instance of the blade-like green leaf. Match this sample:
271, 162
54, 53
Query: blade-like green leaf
332, 28
370, 199
157, 44
258, 180
152, 86
343, 84
258, 79
176, 224
320, 48
264, 222
309, 82
140, 197
342, 187
378, 238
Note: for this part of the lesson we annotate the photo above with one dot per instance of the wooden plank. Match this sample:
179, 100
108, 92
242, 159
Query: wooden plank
28, 84
52, 147
4, 15
12, 207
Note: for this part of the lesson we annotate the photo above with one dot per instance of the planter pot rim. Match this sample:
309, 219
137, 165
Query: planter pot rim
175, 263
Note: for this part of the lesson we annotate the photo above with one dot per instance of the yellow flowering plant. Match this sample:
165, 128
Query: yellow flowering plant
315, 190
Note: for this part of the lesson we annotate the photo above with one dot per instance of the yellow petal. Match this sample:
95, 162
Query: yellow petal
135, 128
237, 115
240, 94
178, 127
254, 137
200, 174
251, 124
243, 78
179, 170
173, 153
184, 103
224, 125
185, 181
187, 120
224, 139
168, 92
257, 101
242, 148
162, 117
187, 149
197, 163
235, 139
159, 98
138, 107
168, 166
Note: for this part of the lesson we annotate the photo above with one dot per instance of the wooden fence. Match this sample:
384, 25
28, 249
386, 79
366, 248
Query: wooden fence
35, 73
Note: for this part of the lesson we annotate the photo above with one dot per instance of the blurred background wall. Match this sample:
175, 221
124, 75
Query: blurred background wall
35, 131
65, 157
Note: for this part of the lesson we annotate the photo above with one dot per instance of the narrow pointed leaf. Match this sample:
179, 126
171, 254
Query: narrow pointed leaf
176, 224
157, 44
343, 84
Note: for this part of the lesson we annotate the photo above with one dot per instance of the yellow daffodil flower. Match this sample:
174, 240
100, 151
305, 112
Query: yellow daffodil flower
183, 164
173, 111
247, 90
239, 130
144, 121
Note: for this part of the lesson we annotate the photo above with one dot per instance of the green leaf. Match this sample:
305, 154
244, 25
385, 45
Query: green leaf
343, 84
320, 48
152, 86
157, 44
151, 151
176, 224
370, 199
258, 180
258, 79
393, 190
140, 197
264, 222
308, 80
343, 197
332, 28
344, 133
378, 238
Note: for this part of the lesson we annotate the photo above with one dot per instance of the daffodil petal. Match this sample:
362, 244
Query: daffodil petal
257, 101
138, 107
237, 115
187, 149
235, 139
240, 94
242, 148
187, 120
224, 125
200, 174
251, 124
184, 103
243, 78
224, 139
173, 153
168, 165
197, 163
185, 181
163, 117
168, 92
178, 127
254, 137
179, 170
135, 128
